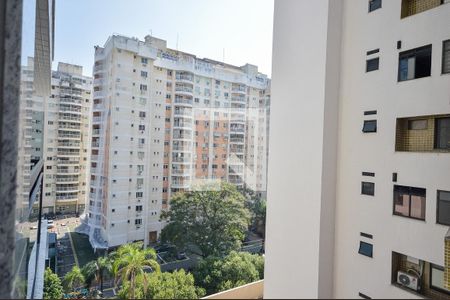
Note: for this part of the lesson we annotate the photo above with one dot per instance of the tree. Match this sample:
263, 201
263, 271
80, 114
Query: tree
96, 270
74, 279
52, 285
212, 218
166, 285
131, 262
257, 207
236, 269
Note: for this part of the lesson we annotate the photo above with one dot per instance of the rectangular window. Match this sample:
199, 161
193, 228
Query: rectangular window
415, 63
443, 133
437, 279
418, 124
137, 221
144, 74
139, 208
374, 4
370, 126
443, 207
139, 194
144, 60
446, 57
365, 249
368, 188
372, 64
409, 202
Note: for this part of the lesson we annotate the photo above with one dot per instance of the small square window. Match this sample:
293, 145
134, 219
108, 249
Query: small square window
374, 4
368, 188
370, 126
365, 249
372, 64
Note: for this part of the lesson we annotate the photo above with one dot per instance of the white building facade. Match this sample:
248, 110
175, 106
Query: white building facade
165, 121
361, 90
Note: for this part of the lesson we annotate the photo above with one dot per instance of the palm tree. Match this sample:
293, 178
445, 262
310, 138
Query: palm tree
95, 270
74, 279
132, 261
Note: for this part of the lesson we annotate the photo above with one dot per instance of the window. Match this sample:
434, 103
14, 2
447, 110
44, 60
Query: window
415, 63
370, 126
139, 194
138, 207
364, 296
374, 4
443, 207
142, 114
372, 64
143, 87
446, 57
365, 249
442, 133
437, 279
144, 60
409, 202
138, 222
368, 188
418, 124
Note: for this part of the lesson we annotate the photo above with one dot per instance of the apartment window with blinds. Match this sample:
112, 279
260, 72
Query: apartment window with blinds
409, 202
368, 188
446, 57
443, 207
372, 64
415, 63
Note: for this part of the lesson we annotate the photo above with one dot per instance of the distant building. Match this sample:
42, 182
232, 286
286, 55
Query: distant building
166, 121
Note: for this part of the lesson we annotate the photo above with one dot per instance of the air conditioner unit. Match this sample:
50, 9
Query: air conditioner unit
408, 280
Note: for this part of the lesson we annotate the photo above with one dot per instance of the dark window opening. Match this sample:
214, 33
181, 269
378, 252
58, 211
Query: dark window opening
446, 57
443, 207
370, 126
365, 249
442, 133
374, 4
415, 63
372, 64
368, 188
409, 202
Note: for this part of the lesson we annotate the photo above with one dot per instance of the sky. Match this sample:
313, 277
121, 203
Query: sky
242, 29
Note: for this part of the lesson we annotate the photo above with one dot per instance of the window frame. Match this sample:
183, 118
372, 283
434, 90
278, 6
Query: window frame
370, 131
377, 59
432, 287
436, 134
410, 188
362, 188
375, 1
413, 53
443, 52
363, 253
437, 207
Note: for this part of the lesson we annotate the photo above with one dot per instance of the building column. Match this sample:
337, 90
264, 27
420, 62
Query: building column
10, 48
302, 150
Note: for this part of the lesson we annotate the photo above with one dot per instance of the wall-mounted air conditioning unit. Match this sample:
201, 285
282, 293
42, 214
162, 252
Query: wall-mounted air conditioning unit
408, 280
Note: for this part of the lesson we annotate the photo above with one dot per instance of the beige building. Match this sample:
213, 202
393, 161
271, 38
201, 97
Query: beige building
166, 121
359, 189
67, 141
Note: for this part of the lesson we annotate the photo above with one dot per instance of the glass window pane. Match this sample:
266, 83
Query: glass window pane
443, 133
443, 216
401, 204
418, 207
365, 249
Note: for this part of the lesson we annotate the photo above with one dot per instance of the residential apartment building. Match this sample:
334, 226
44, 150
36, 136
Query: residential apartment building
166, 121
361, 94
67, 141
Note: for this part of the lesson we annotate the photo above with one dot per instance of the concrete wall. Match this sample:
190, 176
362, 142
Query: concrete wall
302, 159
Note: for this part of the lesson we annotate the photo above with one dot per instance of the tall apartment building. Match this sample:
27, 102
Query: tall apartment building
67, 140
166, 121
361, 115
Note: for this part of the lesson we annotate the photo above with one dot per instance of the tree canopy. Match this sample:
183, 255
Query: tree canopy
52, 285
212, 218
236, 269
74, 279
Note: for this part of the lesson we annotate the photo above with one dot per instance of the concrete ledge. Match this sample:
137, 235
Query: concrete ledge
252, 290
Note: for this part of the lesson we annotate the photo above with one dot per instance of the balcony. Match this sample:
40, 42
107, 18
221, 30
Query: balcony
419, 277
412, 7
423, 134
252, 290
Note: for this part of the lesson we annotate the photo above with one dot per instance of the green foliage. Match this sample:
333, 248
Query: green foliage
236, 269
73, 279
52, 285
176, 285
94, 271
131, 262
257, 207
214, 219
